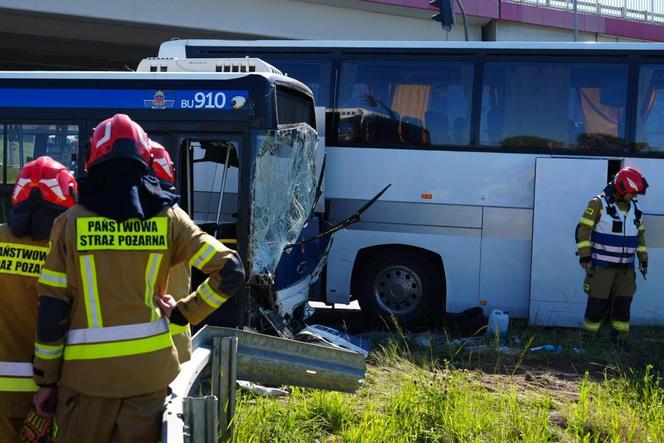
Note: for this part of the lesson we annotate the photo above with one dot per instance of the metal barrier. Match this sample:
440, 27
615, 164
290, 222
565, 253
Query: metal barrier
201, 403
650, 11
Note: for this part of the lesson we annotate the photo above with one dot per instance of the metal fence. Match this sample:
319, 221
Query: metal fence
650, 11
201, 402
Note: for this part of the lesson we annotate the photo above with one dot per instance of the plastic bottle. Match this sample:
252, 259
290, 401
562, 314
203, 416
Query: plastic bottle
498, 324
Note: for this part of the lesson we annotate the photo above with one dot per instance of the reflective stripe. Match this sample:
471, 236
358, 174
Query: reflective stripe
89, 278
177, 329
48, 352
642, 228
591, 326
14, 369
118, 349
204, 255
585, 221
20, 384
611, 259
642, 249
621, 326
584, 244
116, 333
210, 296
626, 250
151, 271
53, 278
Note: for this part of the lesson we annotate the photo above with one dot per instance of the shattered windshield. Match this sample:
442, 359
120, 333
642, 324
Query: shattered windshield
283, 187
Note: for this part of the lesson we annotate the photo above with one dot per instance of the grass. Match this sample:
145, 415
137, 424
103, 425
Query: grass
438, 394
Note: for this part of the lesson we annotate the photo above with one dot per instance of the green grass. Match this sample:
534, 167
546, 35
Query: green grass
438, 394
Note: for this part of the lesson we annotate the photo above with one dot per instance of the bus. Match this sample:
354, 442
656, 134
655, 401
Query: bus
492, 149
250, 133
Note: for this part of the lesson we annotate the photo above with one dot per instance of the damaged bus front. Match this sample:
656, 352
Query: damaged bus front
242, 137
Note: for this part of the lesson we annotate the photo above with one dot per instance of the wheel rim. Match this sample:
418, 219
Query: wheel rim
398, 290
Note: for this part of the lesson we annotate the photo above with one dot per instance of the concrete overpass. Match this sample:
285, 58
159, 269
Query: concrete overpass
94, 34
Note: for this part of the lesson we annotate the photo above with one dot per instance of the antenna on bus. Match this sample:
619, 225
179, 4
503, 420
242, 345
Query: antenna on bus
445, 14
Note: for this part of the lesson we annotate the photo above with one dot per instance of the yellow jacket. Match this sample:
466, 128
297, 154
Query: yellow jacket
21, 260
116, 343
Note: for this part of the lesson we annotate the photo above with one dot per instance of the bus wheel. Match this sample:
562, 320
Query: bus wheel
404, 285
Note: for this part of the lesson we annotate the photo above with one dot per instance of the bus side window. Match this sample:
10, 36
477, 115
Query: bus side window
405, 102
553, 106
650, 110
28, 142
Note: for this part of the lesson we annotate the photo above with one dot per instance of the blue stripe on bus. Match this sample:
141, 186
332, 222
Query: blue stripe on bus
119, 98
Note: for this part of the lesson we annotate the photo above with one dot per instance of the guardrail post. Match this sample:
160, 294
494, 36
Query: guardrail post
200, 419
224, 376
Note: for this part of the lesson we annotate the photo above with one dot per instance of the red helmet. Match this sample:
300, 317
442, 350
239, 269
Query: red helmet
118, 137
162, 165
630, 180
55, 183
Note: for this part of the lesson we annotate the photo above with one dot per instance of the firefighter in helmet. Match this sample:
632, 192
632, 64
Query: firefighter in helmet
179, 279
609, 235
103, 322
44, 189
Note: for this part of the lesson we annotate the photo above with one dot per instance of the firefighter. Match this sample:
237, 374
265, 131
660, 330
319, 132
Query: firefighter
609, 234
44, 189
179, 279
102, 339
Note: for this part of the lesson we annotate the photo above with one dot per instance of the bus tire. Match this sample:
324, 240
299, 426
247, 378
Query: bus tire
401, 284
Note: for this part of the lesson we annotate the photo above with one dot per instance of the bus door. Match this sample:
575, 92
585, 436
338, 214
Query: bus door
563, 187
212, 193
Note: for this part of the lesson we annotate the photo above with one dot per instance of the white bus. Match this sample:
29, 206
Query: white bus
492, 150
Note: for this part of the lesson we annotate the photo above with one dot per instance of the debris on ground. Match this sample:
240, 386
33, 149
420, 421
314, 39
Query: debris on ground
263, 391
332, 337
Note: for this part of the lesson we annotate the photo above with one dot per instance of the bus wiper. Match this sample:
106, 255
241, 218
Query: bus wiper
319, 188
344, 223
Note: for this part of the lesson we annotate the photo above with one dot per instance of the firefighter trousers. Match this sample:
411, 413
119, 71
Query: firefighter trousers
86, 419
10, 429
609, 289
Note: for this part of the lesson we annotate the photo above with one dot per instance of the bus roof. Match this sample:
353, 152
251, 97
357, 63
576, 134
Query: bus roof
177, 48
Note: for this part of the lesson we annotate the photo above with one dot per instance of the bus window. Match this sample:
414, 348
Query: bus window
404, 102
315, 74
2, 155
650, 110
27, 142
294, 108
554, 106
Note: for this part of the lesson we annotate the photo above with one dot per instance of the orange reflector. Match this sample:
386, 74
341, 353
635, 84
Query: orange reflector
482, 302
426, 196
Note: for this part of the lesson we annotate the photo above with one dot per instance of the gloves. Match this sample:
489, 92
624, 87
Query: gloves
643, 267
584, 262
36, 429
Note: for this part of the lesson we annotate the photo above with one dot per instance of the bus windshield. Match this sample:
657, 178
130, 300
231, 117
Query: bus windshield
283, 166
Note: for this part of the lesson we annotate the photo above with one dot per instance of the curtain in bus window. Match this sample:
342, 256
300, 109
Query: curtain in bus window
404, 102
554, 106
650, 109
599, 118
412, 102
28, 142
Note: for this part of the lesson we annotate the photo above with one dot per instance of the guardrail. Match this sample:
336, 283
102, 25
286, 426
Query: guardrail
650, 11
201, 403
